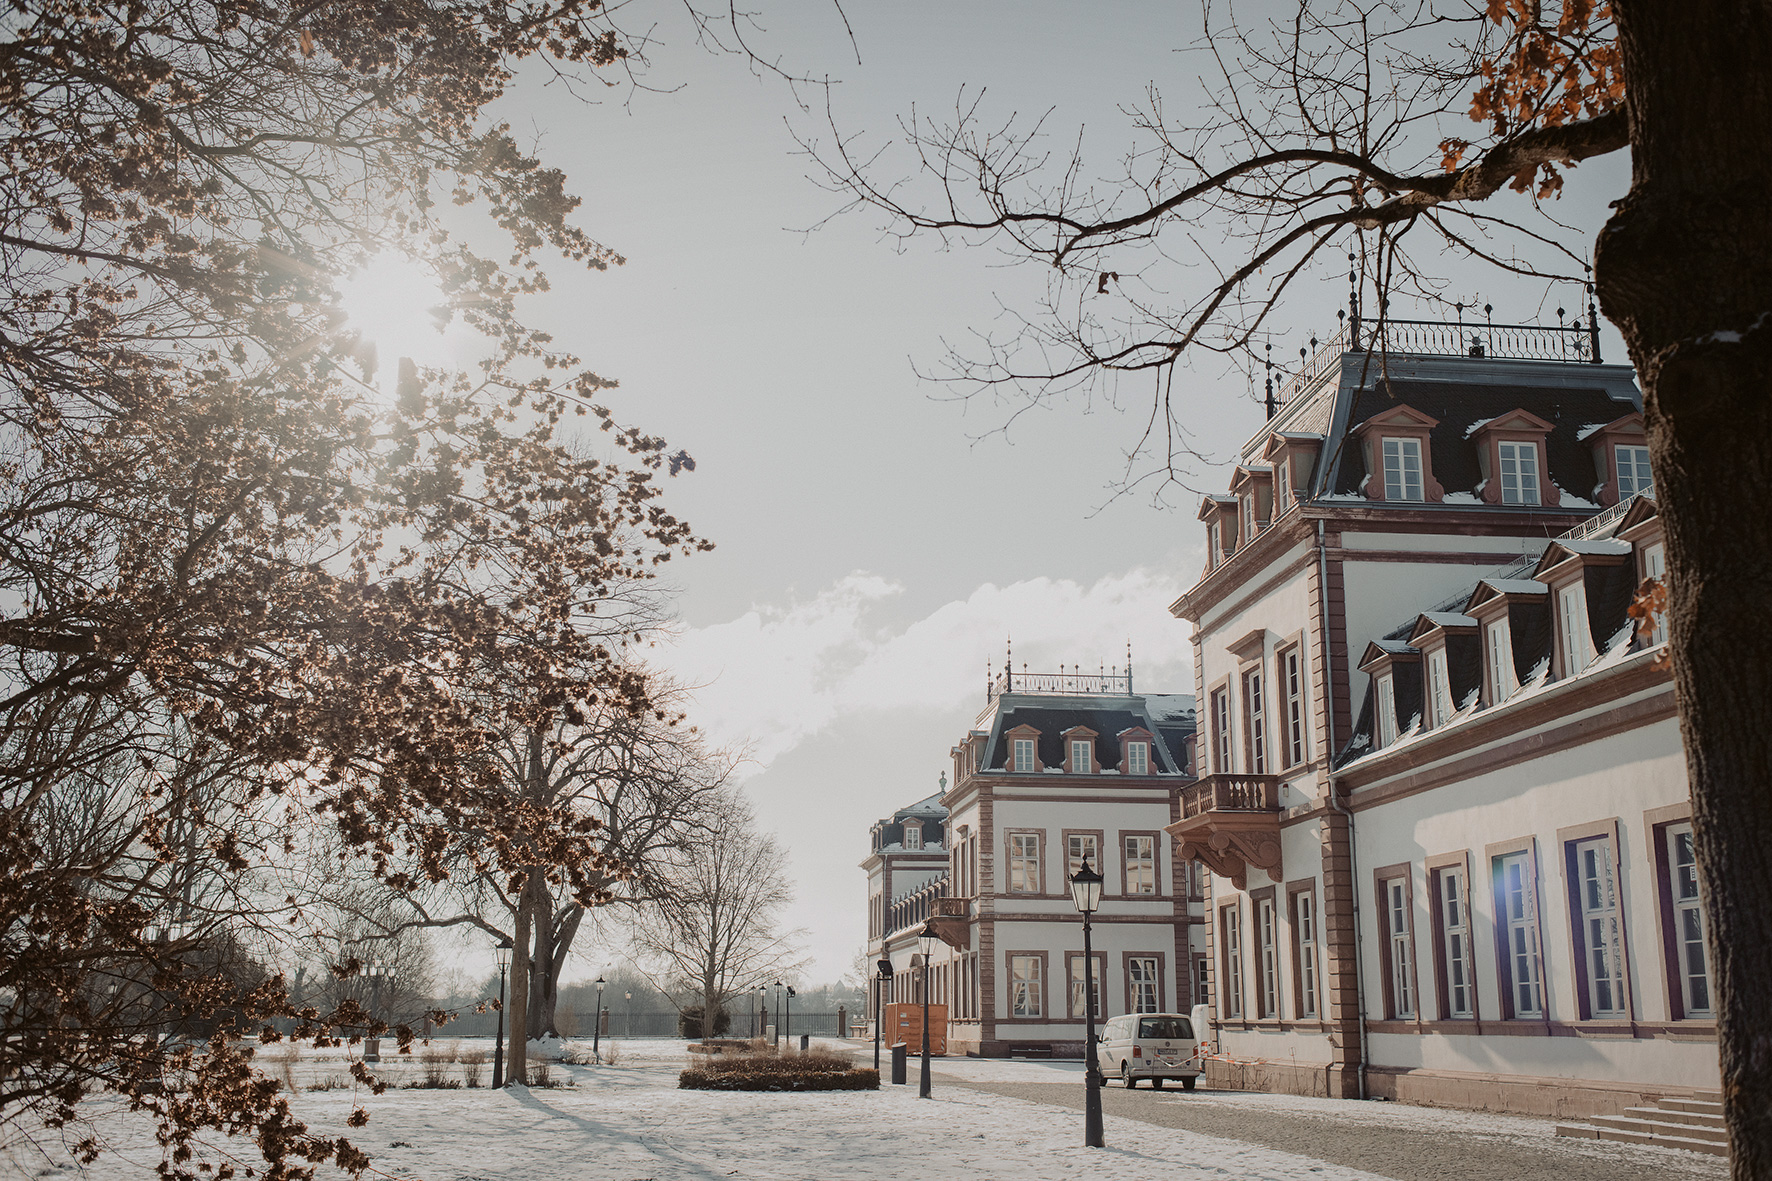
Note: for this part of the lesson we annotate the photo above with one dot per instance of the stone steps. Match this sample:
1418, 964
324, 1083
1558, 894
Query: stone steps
1695, 1125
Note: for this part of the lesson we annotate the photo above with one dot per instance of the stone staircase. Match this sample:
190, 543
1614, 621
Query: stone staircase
1695, 1124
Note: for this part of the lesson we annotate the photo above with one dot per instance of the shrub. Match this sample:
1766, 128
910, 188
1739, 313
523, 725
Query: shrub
689, 1023
767, 1072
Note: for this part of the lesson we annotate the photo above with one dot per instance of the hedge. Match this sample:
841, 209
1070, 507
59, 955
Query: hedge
697, 1079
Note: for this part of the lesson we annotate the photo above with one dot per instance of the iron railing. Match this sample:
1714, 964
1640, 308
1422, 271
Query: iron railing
1076, 681
1231, 793
913, 908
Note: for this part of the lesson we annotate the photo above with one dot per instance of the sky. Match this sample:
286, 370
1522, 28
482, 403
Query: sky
878, 541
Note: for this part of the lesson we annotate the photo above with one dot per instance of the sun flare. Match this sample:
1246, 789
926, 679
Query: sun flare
392, 302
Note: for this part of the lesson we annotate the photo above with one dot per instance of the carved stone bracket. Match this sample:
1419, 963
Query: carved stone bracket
1229, 849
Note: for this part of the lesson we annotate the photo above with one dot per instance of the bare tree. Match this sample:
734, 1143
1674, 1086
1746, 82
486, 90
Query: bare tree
716, 931
1347, 128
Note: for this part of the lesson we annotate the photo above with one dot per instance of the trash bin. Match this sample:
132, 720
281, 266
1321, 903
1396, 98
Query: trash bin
805, 1042
899, 1054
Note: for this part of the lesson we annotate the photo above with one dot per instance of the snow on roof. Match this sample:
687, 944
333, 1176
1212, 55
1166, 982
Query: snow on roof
1169, 707
931, 805
1448, 619
1395, 645
1595, 545
1516, 586
1586, 432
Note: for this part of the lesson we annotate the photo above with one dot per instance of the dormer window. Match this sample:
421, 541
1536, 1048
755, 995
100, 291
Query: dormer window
1248, 518
913, 834
1498, 652
1439, 688
1632, 465
1402, 469
1082, 756
1138, 758
1214, 544
1024, 754
1387, 711
1519, 472
1282, 488
1572, 632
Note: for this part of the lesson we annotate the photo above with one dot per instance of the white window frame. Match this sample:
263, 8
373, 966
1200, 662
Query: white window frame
1024, 863
1692, 954
1074, 990
1144, 979
1230, 997
1221, 729
1518, 896
1304, 904
1141, 864
1453, 892
913, 834
1246, 515
1267, 938
1282, 488
1025, 986
1518, 471
1402, 469
1077, 846
1572, 630
1255, 714
1439, 680
1292, 688
1602, 927
1631, 463
1214, 544
1399, 935
1082, 756
1138, 758
1387, 710
1498, 651
1024, 754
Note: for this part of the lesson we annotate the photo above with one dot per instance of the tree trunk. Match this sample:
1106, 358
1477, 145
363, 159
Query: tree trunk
544, 988
516, 1054
1684, 268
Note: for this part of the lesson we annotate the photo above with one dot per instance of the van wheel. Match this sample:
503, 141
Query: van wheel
1187, 1084
1126, 1079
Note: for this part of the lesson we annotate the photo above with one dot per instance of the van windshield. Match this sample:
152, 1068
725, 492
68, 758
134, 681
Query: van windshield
1172, 1028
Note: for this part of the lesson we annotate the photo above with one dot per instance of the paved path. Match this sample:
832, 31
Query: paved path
1390, 1140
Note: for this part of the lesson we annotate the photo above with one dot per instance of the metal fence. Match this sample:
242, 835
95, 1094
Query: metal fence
654, 1024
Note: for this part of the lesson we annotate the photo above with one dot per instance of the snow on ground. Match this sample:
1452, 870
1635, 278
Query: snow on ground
627, 1121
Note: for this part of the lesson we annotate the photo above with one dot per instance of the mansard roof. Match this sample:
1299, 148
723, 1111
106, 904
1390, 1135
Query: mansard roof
1108, 723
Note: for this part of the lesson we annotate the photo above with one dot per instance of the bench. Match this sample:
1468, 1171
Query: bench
1030, 1051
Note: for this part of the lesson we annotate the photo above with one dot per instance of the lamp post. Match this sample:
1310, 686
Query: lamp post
927, 937
757, 1015
375, 972
503, 954
778, 1015
787, 1017
1086, 893
883, 973
627, 1022
597, 1024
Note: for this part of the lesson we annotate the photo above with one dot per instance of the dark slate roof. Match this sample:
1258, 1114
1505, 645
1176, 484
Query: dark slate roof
1459, 406
1175, 739
1053, 722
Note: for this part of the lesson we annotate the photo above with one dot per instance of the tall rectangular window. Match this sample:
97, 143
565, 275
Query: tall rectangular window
1138, 758
1078, 847
1402, 469
1572, 634
1519, 473
1267, 961
1214, 545
1633, 470
1255, 721
1439, 685
1144, 983
1292, 700
1602, 927
1517, 898
1077, 999
1282, 488
1498, 648
1026, 986
913, 834
1387, 710
1691, 955
1455, 942
1024, 863
1024, 754
1655, 566
1082, 756
1202, 980
1221, 730
1230, 926
1141, 865
1399, 935
1248, 511
1304, 950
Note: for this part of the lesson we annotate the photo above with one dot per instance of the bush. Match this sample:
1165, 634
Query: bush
689, 1022
766, 1072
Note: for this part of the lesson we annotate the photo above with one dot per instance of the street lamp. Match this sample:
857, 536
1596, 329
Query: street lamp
757, 1015
787, 1017
375, 972
883, 972
1086, 893
503, 954
627, 1022
597, 1024
927, 937
778, 1015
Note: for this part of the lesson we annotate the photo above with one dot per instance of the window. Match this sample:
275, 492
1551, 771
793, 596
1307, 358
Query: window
1439, 685
1024, 754
913, 834
1027, 986
1655, 566
1633, 470
1202, 980
1402, 469
1024, 863
1282, 488
1082, 756
1572, 628
1457, 999
1230, 924
1221, 729
1292, 705
1247, 508
1138, 758
1691, 956
1078, 847
1398, 936
1600, 941
1076, 985
1304, 950
1519, 473
1267, 963
1387, 710
1498, 647
1141, 865
1255, 721
1516, 897
1144, 984
1214, 545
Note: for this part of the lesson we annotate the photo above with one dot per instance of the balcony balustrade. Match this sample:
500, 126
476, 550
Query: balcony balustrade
1231, 822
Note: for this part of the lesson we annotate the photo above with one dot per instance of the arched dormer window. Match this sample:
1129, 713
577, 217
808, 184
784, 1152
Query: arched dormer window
1399, 458
913, 834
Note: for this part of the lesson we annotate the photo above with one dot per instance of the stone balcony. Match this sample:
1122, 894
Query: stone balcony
1231, 822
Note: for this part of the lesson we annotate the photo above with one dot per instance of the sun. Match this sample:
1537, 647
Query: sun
392, 301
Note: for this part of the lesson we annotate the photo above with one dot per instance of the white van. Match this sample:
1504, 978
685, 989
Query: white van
1157, 1046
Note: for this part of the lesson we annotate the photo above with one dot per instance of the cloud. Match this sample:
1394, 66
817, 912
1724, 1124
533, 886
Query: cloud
776, 675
